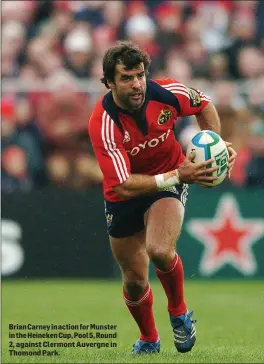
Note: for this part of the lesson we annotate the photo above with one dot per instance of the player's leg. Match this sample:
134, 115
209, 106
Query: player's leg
163, 225
131, 256
130, 253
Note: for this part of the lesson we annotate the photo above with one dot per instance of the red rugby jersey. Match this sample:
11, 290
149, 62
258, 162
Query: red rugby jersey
124, 145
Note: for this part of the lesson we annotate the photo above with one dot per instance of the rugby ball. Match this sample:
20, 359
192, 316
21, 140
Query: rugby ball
207, 145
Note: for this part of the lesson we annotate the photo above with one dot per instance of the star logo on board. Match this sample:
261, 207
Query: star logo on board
227, 238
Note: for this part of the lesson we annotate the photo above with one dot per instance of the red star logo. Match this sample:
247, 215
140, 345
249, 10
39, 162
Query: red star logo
228, 238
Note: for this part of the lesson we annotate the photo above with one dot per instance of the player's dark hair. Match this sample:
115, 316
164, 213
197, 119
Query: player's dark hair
126, 53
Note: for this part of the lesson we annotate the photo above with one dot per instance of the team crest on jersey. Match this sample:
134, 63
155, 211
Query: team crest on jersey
195, 99
126, 137
164, 116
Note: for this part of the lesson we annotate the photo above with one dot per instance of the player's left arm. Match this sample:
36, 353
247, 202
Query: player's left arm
194, 102
208, 119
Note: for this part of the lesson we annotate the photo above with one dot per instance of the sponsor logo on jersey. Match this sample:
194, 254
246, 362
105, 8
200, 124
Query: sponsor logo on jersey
149, 143
195, 99
126, 137
164, 116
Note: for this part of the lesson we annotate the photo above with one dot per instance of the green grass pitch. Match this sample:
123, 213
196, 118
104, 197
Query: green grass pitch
230, 324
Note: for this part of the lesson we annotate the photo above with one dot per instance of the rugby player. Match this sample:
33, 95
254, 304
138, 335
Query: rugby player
146, 177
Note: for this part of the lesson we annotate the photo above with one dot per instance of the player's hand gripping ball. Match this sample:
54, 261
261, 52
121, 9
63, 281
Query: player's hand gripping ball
207, 145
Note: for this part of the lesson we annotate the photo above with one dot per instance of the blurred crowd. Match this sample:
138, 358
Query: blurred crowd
52, 62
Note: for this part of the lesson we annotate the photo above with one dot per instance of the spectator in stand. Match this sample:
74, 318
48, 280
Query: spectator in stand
61, 19
21, 11
255, 166
141, 29
14, 171
13, 41
218, 67
58, 170
177, 67
169, 26
114, 18
213, 19
87, 11
250, 63
26, 122
78, 171
112, 27
42, 52
232, 110
256, 93
62, 113
242, 31
193, 49
86, 172
78, 46
22, 157
255, 170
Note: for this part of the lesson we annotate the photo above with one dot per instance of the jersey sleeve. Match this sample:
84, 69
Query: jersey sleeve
107, 143
191, 100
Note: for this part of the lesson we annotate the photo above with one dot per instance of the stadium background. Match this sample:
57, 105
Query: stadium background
53, 223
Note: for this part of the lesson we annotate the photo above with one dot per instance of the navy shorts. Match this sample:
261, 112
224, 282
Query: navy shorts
125, 218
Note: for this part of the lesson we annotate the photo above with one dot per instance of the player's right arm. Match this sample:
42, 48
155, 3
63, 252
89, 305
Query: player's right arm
188, 172
114, 163
107, 144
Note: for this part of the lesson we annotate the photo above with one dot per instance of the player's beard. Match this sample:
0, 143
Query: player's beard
131, 101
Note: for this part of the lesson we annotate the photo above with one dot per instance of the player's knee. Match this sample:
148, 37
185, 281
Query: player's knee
135, 286
160, 257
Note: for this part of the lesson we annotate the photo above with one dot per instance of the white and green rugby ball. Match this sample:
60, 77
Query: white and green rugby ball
207, 145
